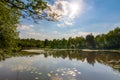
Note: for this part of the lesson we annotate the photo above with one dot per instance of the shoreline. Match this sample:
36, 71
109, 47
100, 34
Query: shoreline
34, 50
84, 50
100, 50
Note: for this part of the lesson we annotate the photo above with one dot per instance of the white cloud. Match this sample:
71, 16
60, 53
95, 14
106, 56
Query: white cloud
54, 35
25, 28
78, 34
56, 32
61, 25
65, 11
68, 23
42, 30
26, 31
65, 24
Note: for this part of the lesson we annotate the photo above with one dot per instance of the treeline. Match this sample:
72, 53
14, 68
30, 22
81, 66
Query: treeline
111, 40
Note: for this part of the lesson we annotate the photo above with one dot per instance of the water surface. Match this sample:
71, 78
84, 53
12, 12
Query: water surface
60, 65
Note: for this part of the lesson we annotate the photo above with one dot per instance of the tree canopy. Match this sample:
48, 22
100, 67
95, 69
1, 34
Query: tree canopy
10, 13
103, 41
26, 8
8, 32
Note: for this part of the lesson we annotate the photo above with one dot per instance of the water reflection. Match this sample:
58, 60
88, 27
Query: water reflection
108, 58
60, 65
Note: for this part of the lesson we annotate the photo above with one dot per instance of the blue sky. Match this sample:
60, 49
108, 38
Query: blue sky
78, 18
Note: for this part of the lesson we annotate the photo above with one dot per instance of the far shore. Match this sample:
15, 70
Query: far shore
85, 50
34, 50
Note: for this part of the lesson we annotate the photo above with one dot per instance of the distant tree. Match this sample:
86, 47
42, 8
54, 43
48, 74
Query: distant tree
64, 43
100, 41
90, 43
46, 43
71, 43
113, 39
103, 41
80, 42
53, 43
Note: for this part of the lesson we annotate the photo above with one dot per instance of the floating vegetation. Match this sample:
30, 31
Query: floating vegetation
49, 75
39, 73
36, 72
56, 74
72, 73
64, 74
36, 78
31, 72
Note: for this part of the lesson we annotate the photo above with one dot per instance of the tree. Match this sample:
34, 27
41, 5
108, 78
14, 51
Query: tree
71, 43
90, 43
103, 41
35, 9
8, 32
46, 43
113, 39
80, 42
64, 43
11, 11
100, 41
26, 8
53, 44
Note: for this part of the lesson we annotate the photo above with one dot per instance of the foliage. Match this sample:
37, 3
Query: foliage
33, 9
26, 8
113, 39
90, 43
8, 32
10, 12
110, 40
104, 41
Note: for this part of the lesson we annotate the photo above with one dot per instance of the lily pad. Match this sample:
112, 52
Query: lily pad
49, 75
36, 78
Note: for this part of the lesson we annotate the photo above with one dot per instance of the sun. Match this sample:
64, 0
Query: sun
74, 9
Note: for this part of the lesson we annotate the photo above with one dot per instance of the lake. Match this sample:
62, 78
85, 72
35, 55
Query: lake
60, 65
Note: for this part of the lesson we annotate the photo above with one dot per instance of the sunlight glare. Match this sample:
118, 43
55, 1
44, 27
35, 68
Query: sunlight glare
74, 9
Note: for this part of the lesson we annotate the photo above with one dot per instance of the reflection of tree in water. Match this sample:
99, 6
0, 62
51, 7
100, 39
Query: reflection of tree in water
91, 58
107, 58
20, 54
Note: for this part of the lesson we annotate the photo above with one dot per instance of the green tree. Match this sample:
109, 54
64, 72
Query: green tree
90, 43
10, 12
100, 41
46, 43
53, 44
64, 43
27, 8
8, 25
113, 39
71, 43
80, 42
